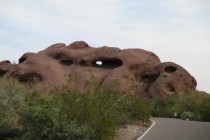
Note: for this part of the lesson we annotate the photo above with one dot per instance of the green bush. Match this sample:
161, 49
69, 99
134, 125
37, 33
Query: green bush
27, 113
165, 107
11, 100
196, 102
204, 108
188, 116
139, 109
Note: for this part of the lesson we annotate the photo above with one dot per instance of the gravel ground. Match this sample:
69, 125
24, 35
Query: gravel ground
130, 132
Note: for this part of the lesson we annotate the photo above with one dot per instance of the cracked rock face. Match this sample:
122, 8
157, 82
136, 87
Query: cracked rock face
80, 66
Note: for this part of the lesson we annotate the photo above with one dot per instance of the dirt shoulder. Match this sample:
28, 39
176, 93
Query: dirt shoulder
130, 132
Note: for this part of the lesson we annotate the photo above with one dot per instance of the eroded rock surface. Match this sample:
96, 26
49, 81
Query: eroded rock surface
77, 65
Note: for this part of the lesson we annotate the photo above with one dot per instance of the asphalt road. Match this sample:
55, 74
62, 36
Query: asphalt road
175, 129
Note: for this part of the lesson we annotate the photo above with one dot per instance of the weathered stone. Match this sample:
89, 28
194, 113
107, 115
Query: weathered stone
77, 65
5, 66
172, 79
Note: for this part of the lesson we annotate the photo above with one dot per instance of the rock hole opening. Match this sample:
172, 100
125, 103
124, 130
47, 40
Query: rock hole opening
2, 73
148, 78
30, 78
66, 62
107, 63
99, 63
21, 60
169, 69
83, 63
170, 88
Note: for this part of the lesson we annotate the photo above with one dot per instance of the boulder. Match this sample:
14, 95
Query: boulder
82, 67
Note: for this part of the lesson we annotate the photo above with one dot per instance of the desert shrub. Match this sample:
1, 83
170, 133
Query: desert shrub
28, 113
188, 116
164, 107
138, 109
203, 107
103, 111
11, 100
94, 111
195, 102
198, 103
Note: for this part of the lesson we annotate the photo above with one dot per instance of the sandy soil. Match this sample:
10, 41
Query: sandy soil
130, 132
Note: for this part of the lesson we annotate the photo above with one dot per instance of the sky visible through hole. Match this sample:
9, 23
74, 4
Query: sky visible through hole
99, 62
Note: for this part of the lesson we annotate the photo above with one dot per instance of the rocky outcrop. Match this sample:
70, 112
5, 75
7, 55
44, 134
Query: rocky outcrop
77, 65
5, 66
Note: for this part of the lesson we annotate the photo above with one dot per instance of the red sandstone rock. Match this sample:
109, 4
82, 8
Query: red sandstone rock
131, 70
5, 66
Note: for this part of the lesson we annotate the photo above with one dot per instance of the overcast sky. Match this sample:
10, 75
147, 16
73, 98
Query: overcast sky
176, 30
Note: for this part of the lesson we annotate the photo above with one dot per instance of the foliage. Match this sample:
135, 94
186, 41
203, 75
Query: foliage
164, 107
27, 113
11, 100
188, 116
195, 102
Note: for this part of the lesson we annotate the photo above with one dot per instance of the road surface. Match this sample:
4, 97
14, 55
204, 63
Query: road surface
175, 129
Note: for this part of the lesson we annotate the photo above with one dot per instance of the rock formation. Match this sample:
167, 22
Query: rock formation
77, 65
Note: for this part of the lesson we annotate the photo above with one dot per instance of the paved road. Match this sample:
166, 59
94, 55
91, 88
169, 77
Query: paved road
175, 129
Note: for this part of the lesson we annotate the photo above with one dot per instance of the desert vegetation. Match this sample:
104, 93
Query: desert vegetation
194, 105
26, 112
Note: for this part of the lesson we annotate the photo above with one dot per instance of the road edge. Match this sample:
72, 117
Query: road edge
153, 123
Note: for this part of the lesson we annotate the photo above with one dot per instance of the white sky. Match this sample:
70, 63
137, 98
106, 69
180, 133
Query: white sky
176, 30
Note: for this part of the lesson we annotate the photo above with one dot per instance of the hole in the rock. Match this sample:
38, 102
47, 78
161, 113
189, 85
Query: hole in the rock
83, 63
148, 78
2, 72
170, 88
30, 78
99, 62
66, 62
170, 69
21, 60
107, 63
